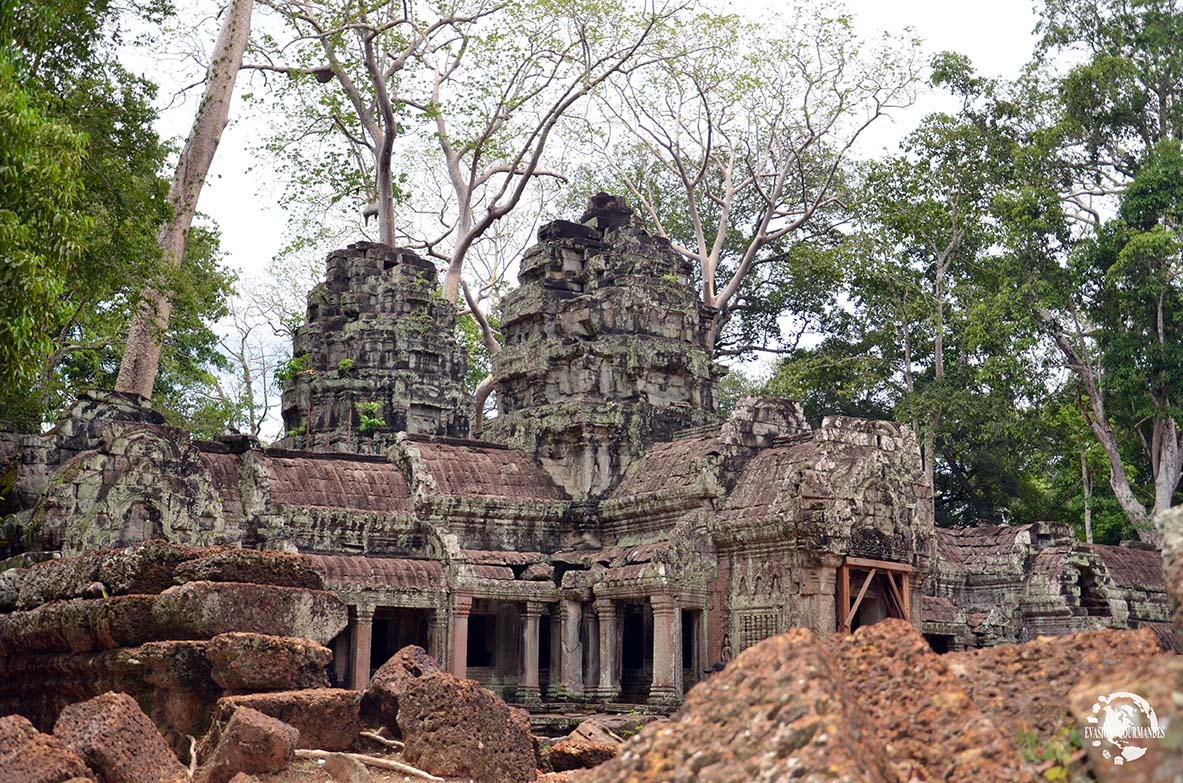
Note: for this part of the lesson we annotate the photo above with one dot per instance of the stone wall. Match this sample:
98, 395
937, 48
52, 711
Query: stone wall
605, 350
377, 333
997, 584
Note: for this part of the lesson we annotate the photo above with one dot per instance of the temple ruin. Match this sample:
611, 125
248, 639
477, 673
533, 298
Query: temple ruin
606, 537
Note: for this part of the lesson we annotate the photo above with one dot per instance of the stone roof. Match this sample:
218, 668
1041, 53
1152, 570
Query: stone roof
501, 558
472, 469
360, 571
1132, 567
977, 546
331, 481
668, 467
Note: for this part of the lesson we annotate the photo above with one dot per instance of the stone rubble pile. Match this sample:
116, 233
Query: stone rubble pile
175, 628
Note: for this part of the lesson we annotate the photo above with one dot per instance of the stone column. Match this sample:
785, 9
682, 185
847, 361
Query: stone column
609, 687
666, 687
570, 679
528, 690
363, 630
591, 651
556, 649
458, 661
341, 659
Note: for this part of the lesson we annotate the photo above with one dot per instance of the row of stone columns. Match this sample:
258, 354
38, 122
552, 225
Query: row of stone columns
601, 661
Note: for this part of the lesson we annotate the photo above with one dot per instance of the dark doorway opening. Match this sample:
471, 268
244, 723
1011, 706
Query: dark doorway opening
482, 636
940, 643
394, 629
636, 652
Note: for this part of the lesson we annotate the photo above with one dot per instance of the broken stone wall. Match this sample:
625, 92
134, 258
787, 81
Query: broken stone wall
605, 350
377, 334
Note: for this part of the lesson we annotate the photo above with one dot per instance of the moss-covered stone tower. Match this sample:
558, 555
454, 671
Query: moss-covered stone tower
605, 349
377, 355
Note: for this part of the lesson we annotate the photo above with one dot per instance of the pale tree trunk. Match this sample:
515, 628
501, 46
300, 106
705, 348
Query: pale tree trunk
1086, 482
1098, 422
141, 356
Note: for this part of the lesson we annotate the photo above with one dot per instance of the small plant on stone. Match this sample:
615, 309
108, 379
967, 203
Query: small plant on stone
670, 277
1051, 756
296, 432
297, 365
368, 420
344, 366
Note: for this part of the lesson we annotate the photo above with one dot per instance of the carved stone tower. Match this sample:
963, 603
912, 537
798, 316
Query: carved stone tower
376, 355
604, 349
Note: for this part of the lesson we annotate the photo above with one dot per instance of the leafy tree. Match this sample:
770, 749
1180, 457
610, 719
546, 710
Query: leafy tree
39, 189
737, 149
60, 56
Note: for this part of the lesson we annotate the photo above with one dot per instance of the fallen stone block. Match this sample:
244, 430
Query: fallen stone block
610, 729
15, 731
1117, 731
1170, 527
327, 718
571, 754
280, 569
779, 711
929, 726
456, 728
144, 568
119, 741
1024, 687
259, 662
380, 697
252, 743
203, 610
43, 758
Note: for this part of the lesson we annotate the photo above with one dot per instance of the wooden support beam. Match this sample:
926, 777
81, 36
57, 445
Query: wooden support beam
895, 595
882, 565
861, 593
907, 578
843, 598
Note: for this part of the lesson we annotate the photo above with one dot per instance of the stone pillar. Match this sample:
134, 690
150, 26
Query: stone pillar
666, 687
819, 598
363, 630
556, 649
609, 680
528, 690
341, 659
591, 657
570, 679
437, 638
458, 662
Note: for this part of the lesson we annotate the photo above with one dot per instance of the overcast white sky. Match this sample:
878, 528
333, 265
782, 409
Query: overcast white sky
996, 35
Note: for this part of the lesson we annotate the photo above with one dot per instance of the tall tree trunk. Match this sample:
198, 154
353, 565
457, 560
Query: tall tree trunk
1086, 482
141, 356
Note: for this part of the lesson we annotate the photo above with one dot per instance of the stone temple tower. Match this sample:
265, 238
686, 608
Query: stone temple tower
604, 349
379, 343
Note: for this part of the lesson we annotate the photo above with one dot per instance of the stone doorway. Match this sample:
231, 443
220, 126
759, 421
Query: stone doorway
870, 591
636, 652
394, 629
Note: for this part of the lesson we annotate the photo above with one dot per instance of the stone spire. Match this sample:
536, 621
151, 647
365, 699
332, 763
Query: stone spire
379, 343
605, 349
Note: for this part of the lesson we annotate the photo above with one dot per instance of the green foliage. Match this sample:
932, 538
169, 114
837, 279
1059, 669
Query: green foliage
344, 366
1053, 754
40, 185
480, 361
297, 365
368, 420
79, 298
